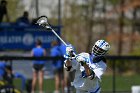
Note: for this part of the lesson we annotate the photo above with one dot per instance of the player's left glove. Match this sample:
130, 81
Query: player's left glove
81, 59
69, 50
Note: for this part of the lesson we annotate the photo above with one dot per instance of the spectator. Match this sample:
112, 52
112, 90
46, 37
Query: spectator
23, 80
8, 75
3, 10
2, 69
38, 66
58, 67
23, 20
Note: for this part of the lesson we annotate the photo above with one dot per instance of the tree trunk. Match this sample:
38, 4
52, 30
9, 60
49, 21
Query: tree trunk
90, 25
121, 24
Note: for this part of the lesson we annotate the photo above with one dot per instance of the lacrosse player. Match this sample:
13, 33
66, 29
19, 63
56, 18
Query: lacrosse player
89, 67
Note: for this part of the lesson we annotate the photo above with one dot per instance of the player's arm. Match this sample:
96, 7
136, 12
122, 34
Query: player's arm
67, 65
68, 56
89, 72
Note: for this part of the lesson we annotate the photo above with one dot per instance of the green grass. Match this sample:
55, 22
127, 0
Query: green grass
123, 83
48, 85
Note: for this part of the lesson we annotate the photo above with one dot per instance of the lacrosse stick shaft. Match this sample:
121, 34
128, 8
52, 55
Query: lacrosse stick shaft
58, 37
62, 40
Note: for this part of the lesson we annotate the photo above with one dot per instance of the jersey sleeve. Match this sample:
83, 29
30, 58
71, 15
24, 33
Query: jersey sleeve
100, 69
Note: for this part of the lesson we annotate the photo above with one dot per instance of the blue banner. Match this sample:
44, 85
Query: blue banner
24, 38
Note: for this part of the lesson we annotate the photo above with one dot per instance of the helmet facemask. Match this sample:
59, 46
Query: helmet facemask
100, 48
98, 51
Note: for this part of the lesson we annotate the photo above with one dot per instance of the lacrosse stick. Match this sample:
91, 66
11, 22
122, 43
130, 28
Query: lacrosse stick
43, 21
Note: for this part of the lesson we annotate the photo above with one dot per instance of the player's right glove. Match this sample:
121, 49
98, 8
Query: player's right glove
81, 59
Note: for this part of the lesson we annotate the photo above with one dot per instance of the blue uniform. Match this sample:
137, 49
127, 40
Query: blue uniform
38, 52
2, 68
55, 51
63, 49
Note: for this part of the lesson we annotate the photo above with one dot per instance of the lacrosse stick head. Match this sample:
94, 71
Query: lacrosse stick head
42, 21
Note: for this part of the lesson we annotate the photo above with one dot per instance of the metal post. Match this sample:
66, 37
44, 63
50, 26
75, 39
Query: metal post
59, 15
59, 12
132, 41
37, 7
114, 77
105, 21
121, 29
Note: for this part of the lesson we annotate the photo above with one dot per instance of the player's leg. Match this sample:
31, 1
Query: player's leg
34, 77
66, 85
57, 81
41, 77
41, 74
34, 81
61, 76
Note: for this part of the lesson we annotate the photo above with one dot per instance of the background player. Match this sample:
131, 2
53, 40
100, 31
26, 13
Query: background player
57, 67
38, 66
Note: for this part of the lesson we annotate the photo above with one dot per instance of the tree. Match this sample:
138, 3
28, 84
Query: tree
13, 9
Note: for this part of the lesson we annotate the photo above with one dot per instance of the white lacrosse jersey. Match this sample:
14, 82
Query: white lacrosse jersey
85, 83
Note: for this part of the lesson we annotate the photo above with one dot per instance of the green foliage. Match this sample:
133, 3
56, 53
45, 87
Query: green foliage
136, 51
124, 66
12, 9
114, 2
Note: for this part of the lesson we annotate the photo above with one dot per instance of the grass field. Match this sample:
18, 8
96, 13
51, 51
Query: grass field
123, 83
